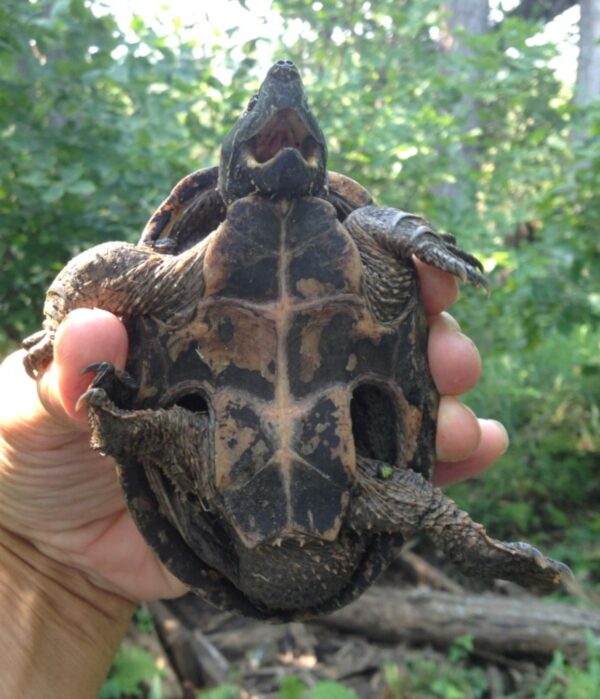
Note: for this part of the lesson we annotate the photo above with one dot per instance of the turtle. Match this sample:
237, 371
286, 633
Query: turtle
274, 427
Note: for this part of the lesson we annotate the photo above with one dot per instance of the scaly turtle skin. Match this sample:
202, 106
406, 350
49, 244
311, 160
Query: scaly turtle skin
275, 427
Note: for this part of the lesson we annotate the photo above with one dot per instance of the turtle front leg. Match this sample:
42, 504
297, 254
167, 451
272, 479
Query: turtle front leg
191, 211
402, 501
163, 460
123, 279
172, 438
404, 234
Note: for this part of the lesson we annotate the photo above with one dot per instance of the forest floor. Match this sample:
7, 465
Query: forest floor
418, 633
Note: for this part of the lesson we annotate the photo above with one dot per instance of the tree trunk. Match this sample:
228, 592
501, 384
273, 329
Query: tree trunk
587, 87
470, 16
540, 10
463, 17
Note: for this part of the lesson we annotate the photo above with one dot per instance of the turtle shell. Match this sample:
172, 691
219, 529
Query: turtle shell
195, 208
298, 377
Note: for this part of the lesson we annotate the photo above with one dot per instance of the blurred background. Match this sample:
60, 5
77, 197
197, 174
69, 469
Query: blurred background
483, 116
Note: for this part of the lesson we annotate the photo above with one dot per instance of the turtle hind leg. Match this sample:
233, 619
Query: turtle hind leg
401, 500
478, 555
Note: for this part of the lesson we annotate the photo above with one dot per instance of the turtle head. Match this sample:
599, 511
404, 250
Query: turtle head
276, 146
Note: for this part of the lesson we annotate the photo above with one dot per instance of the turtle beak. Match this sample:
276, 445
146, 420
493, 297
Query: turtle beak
284, 132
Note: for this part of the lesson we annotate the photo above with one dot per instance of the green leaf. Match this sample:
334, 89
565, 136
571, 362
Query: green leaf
461, 648
131, 667
226, 691
331, 690
291, 688
82, 187
53, 193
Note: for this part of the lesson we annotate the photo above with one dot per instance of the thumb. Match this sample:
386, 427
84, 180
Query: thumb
86, 336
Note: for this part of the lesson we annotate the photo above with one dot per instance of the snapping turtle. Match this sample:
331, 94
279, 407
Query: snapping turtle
274, 430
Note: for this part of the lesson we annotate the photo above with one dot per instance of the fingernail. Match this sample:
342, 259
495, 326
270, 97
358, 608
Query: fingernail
468, 340
503, 431
449, 321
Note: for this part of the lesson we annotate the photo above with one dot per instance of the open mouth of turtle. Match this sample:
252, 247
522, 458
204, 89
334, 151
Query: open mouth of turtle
284, 131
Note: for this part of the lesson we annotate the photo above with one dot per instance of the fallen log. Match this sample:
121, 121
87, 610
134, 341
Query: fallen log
497, 624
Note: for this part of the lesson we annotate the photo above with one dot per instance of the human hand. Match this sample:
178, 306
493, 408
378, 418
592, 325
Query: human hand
55, 491
465, 445
63, 497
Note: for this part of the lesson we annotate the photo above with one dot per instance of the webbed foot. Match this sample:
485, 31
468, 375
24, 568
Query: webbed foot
405, 234
117, 430
401, 500
438, 250
110, 386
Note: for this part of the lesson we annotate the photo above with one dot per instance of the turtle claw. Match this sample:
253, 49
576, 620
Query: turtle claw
109, 384
542, 561
440, 251
567, 576
93, 397
528, 566
449, 238
165, 246
405, 234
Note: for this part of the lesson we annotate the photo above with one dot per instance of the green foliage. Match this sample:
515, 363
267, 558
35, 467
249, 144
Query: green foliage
291, 687
134, 674
98, 122
294, 688
461, 648
546, 487
143, 620
96, 127
457, 678
562, 680
424, 677
434, 680
226, 691
330, 690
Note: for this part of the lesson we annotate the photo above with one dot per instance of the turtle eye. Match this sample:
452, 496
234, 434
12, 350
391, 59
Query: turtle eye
252, 103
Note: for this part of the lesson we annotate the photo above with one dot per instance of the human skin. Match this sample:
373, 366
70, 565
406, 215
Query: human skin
72, 563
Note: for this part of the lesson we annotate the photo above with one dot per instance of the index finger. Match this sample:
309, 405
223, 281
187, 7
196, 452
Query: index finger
439, 290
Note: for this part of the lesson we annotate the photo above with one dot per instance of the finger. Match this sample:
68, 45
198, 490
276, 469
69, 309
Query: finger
458, 431
439, 290
453, 357
85, 336
493, 443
